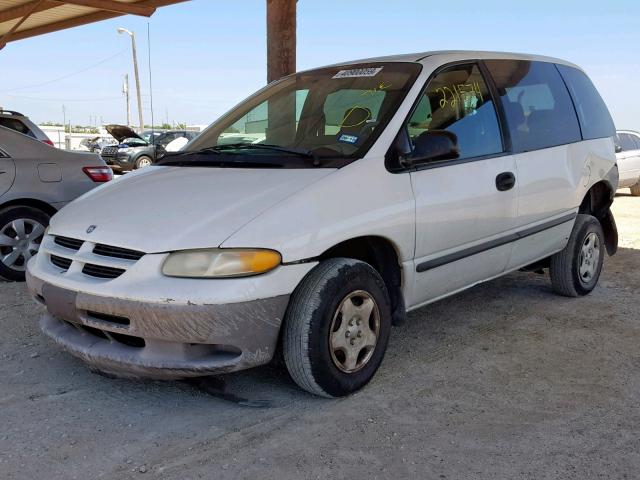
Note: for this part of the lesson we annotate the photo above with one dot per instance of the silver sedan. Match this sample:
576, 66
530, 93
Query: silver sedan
36, 180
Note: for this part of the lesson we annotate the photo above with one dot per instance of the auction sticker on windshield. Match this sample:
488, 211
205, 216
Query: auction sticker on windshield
358, 72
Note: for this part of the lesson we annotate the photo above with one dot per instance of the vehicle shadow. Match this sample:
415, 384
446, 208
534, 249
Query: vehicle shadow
431, 334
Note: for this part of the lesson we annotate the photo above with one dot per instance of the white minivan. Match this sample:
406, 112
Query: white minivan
376, 187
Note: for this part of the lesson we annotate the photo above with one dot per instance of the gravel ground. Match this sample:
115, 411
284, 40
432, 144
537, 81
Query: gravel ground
504, 381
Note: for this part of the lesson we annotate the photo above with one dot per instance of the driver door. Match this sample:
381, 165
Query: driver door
466, 207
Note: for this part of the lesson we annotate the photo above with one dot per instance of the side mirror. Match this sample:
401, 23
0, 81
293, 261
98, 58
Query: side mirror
618, 148
432, 146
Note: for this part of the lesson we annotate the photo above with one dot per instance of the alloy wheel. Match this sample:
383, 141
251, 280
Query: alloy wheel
19, 241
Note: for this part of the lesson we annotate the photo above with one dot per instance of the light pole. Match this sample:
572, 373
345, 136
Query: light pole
125, 90
135, 72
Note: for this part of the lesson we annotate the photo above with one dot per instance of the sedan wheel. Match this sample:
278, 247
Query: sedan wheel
21, 232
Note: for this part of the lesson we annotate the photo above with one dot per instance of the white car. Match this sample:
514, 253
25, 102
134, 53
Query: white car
628, 155
381, 185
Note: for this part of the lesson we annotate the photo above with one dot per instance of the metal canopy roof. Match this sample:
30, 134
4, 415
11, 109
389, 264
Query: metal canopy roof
27, 18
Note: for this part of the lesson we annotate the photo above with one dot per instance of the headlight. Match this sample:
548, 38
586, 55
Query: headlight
126, 150
220, 263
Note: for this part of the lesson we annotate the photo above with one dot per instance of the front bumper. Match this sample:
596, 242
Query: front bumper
118, 163
130, 338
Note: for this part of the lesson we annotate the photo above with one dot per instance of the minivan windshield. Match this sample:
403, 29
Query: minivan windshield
326, 117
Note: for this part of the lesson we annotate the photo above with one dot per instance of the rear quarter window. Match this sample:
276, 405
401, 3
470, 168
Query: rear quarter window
594, 116
539, 110
16, 125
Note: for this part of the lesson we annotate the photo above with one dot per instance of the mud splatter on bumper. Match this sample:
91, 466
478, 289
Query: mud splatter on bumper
160, 340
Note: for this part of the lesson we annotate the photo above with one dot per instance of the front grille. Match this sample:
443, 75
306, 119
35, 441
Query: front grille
101, 271
117, 252
109, 151
92, 263
70, 243
60, 262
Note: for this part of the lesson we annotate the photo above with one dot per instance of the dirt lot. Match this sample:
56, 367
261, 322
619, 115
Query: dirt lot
504, 381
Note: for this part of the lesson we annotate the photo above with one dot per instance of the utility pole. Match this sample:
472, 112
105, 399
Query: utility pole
125, 90
135, 72
64, 123
281, 38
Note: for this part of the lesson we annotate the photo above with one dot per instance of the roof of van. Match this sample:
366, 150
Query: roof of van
465, 54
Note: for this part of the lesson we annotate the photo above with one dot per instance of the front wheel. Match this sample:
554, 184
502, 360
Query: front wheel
143, 161
337, 327
575, 270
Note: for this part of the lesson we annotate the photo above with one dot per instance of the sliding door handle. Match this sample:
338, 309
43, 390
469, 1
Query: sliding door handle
505, 181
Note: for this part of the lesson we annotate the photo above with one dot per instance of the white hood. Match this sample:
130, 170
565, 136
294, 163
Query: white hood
162, 209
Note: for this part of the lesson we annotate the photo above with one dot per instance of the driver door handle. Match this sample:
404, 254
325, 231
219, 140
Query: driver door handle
505, 181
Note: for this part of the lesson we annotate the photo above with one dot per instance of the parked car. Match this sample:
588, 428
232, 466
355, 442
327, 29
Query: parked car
136, 151
96, 144
381, 186
628, 155
20, 123
35, 182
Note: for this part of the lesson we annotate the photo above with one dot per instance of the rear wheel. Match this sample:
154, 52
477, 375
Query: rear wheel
635, 190
143, 161
575, 270
337, 327
21, 231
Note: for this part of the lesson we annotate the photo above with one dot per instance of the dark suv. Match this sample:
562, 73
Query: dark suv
136, 151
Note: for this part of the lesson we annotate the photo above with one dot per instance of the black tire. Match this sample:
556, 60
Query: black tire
141, 159
635, 190
7, 216
565, 265
310, 316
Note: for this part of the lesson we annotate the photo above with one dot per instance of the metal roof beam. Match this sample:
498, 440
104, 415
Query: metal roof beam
25, 9
33, 6
77, 21
113, 6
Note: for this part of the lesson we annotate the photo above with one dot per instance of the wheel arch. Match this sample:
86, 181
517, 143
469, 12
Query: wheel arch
597, 202
30, 202
382, 254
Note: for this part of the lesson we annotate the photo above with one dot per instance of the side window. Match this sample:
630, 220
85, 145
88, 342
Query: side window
457, 100
538, 107
595, 119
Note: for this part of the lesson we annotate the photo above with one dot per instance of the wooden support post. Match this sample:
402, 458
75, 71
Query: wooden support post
281, 38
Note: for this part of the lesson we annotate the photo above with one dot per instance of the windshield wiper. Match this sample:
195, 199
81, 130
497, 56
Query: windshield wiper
217, 149
228, 163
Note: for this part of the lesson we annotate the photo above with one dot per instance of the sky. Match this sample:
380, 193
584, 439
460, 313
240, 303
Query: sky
207, 55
